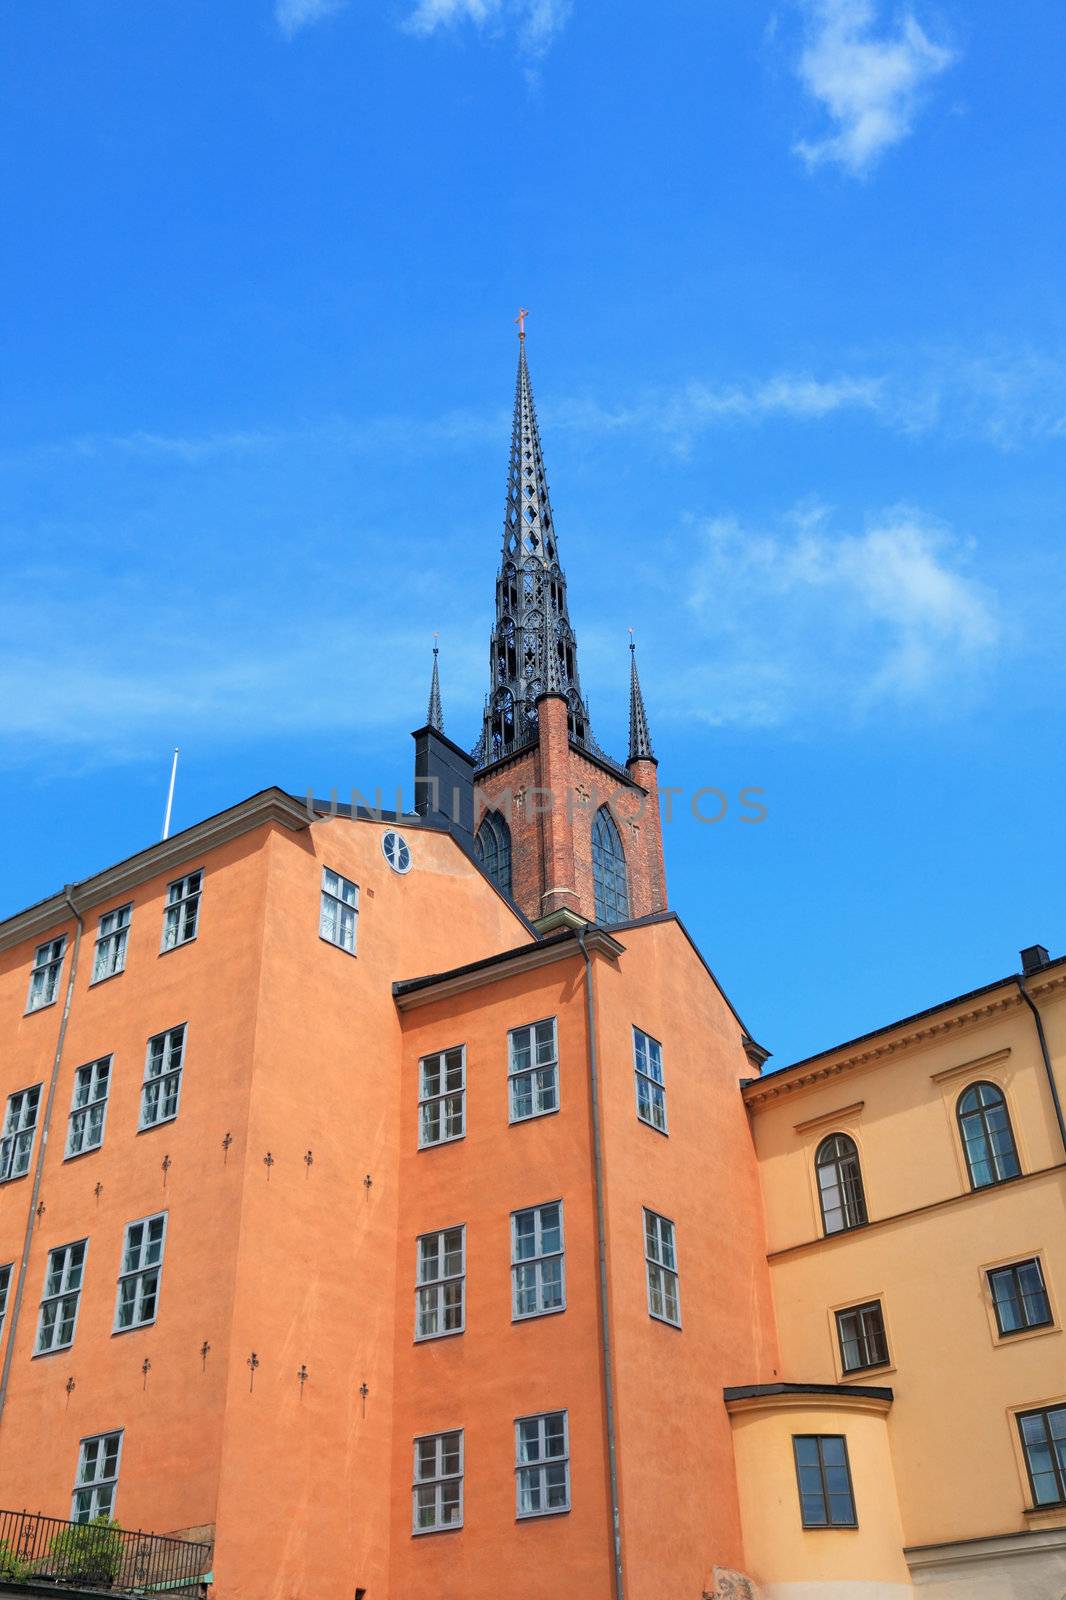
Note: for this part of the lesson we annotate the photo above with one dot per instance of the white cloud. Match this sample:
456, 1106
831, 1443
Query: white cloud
870, 85
802, 621
291, 15
537, 21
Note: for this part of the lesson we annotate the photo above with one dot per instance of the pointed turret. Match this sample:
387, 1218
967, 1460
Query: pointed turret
434, 715
640, 748
530, 600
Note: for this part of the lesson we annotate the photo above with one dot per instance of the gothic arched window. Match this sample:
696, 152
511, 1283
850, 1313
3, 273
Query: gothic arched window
986, 1135
502, 722
493, 849
609, 870
840, 1184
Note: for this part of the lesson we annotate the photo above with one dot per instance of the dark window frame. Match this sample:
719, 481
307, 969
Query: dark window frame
864, 1338
820, 1439
610, 873
1012, 1269
1058, 1468
492, 846
980, 1113
850, 1187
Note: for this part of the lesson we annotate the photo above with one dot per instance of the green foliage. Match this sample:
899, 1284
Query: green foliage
12, 1567
91, 1551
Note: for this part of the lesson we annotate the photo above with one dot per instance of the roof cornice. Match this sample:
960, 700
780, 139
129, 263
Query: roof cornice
508, 964
269, 806
808, 1397
899, 1038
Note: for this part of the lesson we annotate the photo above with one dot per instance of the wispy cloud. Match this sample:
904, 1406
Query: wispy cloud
869, 83
802, 617
291, 15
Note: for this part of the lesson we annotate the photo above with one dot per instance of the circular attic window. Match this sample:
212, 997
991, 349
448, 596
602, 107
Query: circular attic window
397, 851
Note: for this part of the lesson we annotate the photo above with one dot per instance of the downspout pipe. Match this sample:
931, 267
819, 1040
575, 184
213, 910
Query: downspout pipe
601, 1248
42, 1148
1041, 1035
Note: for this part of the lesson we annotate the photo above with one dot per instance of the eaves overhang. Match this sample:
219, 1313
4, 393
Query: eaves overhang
507, 964
269, 806
807, 1397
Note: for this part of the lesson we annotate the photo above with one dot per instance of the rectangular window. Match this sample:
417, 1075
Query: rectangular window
440, 1291
162, 1076
661, 1261
181, 914
5, 1285
20, 1125
542, 1464
112, 935
94, 1487
140, 1271
59, 1302
533, 1070
442, 1097
1020, 1296
537, 1272
339, 910
824, 1479
861, 1332
1044, 1442
438, 1484
651, 1095
88, 1105
44, 975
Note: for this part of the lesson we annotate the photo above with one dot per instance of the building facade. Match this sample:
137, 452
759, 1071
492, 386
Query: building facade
396, 1205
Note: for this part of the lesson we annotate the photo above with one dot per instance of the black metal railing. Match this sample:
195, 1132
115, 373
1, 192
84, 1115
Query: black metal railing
97, 1555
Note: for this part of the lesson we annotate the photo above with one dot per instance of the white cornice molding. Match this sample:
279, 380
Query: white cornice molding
841, 1114
272, 806
963, 1067
522, 960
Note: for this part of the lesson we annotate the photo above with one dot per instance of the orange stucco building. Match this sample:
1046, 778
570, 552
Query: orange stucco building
396, 1206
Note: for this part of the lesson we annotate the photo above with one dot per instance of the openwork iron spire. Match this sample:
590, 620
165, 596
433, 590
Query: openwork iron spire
532, 644
435, 715
640, 748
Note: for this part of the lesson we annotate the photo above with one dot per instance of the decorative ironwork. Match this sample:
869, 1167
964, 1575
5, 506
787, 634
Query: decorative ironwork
303, 1376
166, 1165
252, 1363
268, 1162
309, 1162
533, 649
70, 1385
205, 1351
98, 1191
146, 1367
364, 1390
101, 1555
226, 1142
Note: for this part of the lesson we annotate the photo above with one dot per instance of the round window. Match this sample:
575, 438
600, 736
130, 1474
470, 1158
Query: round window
397, 851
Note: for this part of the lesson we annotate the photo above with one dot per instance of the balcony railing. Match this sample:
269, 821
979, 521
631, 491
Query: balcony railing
97, 1555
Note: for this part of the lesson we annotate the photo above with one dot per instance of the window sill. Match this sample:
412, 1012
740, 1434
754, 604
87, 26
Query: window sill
431, 1338
534, 1116
447, 1527
354, 954
56, 1350
860, 1374
654, 1126
453, 1138
31, 1011
1022, 1334
830, 1527
76, 1155
665, 1321
161, 1122
15, 1177
536, 1516
535, 1316
134, 1327
169, 949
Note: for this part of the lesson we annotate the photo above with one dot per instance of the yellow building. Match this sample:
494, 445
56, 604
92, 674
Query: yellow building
913, 1182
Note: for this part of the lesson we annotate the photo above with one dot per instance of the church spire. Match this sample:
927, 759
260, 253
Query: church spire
434, 715
530, 598
640, 748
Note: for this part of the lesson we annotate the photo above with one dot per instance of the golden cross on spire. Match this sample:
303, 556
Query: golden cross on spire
521, 320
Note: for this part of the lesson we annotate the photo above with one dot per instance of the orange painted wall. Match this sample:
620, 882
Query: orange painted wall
172, 1424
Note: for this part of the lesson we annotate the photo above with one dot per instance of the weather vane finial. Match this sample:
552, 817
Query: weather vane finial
521, 320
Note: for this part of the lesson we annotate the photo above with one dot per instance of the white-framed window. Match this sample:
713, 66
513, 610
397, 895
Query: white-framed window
5, 1285
140, 1271
181, 914
660, 1257
440, 1288
112, 936
59, 1300
339, 910
442, 1096
648, 1068
44, 974
396, 850
97, 1480
538, 1278
20, 1125
542, 1464
438, 1482
88, 1107
162, 1076
533, 1070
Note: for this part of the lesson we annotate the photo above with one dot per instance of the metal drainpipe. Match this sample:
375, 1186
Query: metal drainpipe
601, 1243
42, 1146
1052, 1085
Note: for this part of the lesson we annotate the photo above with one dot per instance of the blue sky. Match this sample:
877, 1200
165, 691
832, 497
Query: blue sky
797, 339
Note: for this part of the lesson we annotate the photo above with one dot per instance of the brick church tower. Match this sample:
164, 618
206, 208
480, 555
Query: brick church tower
564, 830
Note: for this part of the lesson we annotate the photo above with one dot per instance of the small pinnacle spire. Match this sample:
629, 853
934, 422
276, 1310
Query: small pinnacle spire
435, 716
553, 677
640, 748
